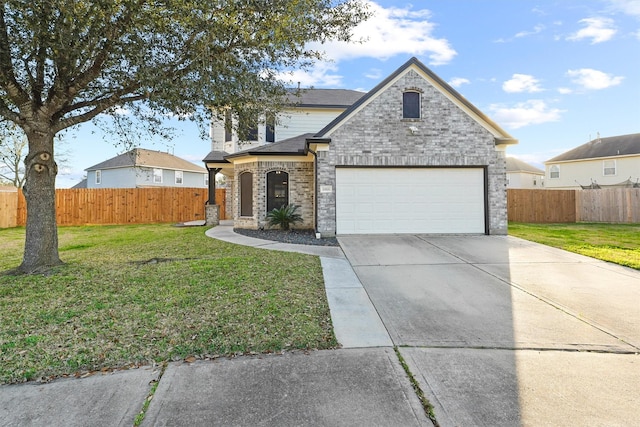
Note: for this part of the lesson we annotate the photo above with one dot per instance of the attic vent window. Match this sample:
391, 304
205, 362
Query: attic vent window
411, 105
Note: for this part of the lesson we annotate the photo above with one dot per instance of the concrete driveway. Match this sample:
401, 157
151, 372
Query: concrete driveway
502, 331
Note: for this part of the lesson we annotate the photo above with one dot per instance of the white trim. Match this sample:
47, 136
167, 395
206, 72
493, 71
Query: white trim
98, 180
590, 159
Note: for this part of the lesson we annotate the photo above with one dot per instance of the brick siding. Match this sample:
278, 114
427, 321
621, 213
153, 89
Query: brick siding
445, 135
301, 191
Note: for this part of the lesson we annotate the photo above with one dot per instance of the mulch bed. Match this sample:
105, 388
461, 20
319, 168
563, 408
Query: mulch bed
298, 237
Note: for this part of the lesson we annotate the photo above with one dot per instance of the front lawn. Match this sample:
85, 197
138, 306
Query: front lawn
617, 243
140, 294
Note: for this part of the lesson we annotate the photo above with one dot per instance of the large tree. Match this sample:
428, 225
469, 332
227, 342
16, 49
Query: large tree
64, 62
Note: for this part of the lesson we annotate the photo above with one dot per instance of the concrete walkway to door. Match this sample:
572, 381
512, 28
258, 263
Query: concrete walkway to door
501, 331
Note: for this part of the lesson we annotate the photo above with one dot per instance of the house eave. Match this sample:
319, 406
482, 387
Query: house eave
506, 141
588, 159
232, 157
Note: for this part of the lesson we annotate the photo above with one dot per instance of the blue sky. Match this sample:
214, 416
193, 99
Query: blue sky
553, 74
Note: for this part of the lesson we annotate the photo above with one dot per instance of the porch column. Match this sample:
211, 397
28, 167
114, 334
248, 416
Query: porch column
212, 211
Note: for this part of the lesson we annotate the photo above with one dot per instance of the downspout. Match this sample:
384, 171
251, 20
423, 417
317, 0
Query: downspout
315, 189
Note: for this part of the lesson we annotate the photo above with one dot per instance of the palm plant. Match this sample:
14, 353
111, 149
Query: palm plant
283, 217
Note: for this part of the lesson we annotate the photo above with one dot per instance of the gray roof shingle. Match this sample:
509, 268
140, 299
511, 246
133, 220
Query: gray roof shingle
337, 98
216, 157
291, 146
622, 145
140, 157
517, 165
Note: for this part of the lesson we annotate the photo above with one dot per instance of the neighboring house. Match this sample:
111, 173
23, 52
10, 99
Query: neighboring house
146, 168
604, 162
81, 184
410, 156
523, 175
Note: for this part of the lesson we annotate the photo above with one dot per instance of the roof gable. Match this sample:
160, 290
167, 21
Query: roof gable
613, 146
140, 157
500, 135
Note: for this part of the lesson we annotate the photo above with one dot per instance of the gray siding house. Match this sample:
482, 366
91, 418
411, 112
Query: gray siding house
146, 168
410, 156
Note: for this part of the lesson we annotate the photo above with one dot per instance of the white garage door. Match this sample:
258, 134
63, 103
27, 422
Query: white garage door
410, 200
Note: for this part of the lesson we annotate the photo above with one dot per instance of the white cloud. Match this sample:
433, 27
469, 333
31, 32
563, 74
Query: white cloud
629, 7
591, 79
389, 32
536, 30
392, 31
521, 83
322, 74
458, 81
374, 74
532, 112
597, 29
564, 90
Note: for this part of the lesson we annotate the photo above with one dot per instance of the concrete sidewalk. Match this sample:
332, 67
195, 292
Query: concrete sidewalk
224, 232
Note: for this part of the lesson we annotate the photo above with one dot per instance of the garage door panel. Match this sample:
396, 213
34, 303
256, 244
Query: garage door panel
415, 200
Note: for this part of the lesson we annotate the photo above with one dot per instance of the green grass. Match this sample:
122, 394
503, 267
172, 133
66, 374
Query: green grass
130, 295
616, 243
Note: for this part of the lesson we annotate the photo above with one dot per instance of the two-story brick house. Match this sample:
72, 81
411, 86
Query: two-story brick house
410, 156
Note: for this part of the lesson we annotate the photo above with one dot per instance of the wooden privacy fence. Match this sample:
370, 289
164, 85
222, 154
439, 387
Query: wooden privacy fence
84, 206
541, 206
8, 209
611, 205
614, 205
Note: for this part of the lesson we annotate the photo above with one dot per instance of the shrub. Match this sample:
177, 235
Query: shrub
283, 217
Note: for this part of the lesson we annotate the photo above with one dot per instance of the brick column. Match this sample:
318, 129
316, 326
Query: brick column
212, 214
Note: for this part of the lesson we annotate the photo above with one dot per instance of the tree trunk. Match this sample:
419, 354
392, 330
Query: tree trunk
41, 243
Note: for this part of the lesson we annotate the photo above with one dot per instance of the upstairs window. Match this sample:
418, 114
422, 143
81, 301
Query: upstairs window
270, 131
554, 172
179, 177
609, 167
98, 177
228, 126
157, 176
411, 105
249, 129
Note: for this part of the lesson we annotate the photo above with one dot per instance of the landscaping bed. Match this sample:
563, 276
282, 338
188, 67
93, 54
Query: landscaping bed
298, 237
